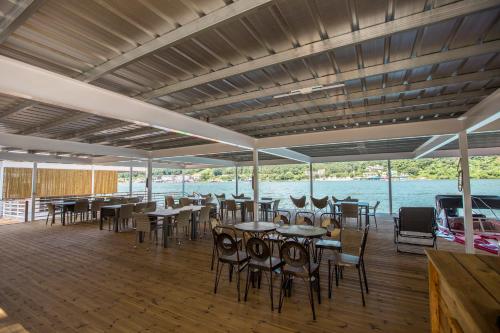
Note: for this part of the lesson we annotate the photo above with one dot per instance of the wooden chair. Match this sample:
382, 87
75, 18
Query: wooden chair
125, 215
298, 264
249, 206
185, 202
51, 212
342, 260
204, 218
140, 207
143, 226
332, 242
350, 211
305, 218
232, 207
228, 253
261, 260
169, 201
373, 212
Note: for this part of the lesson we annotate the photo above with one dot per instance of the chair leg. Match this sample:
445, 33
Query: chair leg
217, 275
375, 219
238, 282
336, 275
271, 293
319, 287
282, 292
361, 286
364, 276
213, 258
329, 279
311, 298
247, 283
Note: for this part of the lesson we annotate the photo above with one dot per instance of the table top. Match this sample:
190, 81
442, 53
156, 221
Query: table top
117, 206
172, 212
246, 200
64, 203
301, 231
256, 226
359, 203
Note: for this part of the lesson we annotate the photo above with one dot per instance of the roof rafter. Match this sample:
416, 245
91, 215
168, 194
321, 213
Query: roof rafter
354, 38
21, 13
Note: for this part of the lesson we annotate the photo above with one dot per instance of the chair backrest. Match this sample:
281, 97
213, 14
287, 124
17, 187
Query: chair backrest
364, 239
249, 206
183, 217
169, 201
320, 203
258, 249
214, 222
133, 200
126, 211
417, 219
185, 202
335, 199
376, 206
230, 204
150, 206
304, 218
204, 214
238, 196
333, 226
296, 255
226, 243
140, 207
266, 198
51, 208
281, 218
142, 222
349, 210
276, 204
81, 206
299, 202
96, 205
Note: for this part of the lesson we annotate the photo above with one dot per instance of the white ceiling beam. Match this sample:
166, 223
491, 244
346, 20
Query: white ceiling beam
44, 144
19, 15
483, 113
26, 157
382, 132
363, 157
434, 143
492, 151
45, 86
288, 154
406, 64
205, 149
189, 30
141, 164
341, 99
381, 30
200, 160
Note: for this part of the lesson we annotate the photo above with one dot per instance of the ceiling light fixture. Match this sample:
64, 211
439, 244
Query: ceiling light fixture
309, 90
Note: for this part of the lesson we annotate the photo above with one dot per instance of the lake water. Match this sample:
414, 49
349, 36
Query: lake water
405, 193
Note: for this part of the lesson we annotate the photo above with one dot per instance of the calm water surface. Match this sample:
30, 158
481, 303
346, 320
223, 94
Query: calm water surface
405, 193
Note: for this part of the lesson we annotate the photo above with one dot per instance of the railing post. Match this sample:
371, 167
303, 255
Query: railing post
389, 176
236, 179
131, 172
26, 210
34, 175
466, 192
183, 183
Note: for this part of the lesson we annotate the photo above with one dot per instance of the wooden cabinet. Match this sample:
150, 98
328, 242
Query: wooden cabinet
464, 292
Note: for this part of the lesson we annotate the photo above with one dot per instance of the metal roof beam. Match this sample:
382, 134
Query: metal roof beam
430, 59
18, 108
53, 124
44, 144
20, 14
45, 86
189, 30
356, 37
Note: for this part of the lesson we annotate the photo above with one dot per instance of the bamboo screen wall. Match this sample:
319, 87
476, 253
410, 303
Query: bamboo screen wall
57, 182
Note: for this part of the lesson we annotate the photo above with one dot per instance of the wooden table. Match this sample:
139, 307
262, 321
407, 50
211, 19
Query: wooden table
464, 292
168, 213
302, 231
256, 227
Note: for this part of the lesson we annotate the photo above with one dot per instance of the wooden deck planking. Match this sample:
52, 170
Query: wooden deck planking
80, 279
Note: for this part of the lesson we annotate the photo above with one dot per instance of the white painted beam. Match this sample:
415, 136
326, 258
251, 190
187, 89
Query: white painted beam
392, 131
492, 151
200, 160
45, 86
287, 153
485, 112
26, 157
430, 59
377, 31
206, 149
22, 12
466, 192
434, 143
44, 144
189, 30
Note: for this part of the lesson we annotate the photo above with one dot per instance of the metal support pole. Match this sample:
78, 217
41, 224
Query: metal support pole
130, 175
1, 181
92, 186
183, 182
311, 193
34, 175
466, 192
256, 184
389, 176
149, 181
236, 179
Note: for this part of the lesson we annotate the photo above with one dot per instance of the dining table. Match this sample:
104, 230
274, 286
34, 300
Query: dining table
110, 211
301, 231
256, 227
166, 214
64, 206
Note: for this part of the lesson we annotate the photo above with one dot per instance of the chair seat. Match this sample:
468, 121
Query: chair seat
329, 244
233, 259
344, 259
264, 264
300, 271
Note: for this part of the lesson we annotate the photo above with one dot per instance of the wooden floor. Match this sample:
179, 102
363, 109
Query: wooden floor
79, 279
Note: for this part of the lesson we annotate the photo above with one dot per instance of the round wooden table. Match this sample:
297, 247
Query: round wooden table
256, 227
303, 231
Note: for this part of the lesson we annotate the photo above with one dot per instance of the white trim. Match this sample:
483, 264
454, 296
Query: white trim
287, 153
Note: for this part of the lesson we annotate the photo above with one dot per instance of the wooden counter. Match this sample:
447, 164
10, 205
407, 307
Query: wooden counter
464, 292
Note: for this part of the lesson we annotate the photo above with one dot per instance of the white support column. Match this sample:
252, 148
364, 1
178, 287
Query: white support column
149, 181
92, 179
183, 182
311, 188
34, 175
130, 176
236, 179
1, 187
466, 192
256, 184
389, 176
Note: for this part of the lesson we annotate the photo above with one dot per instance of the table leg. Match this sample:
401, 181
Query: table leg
115, 222
166, 225
53, 218
243, 213
101, 221
194, 223
367, 216
63, 216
